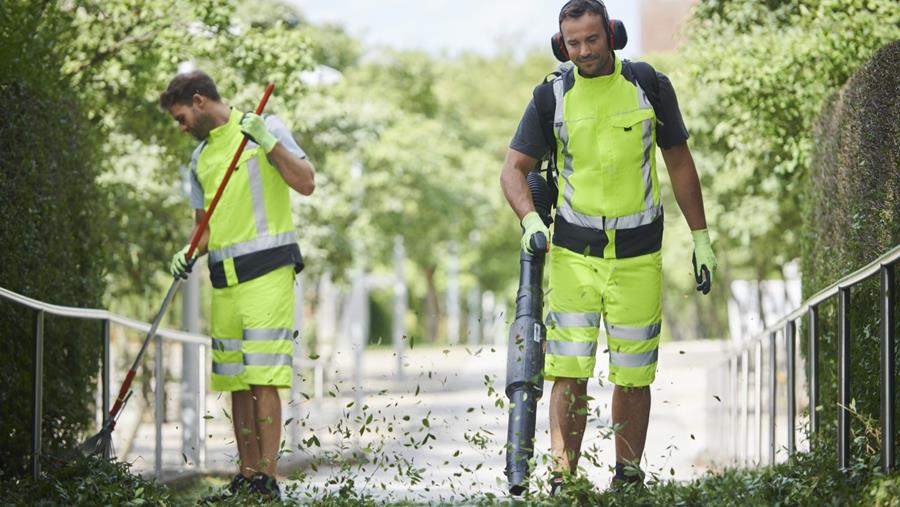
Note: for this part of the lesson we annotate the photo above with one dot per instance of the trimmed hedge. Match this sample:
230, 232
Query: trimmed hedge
85, 482
852, 216
51, 217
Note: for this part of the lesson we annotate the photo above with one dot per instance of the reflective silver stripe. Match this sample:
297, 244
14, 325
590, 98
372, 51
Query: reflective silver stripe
227, 368
267, 359
562, 132
590, 319
579, 349
580, 219
280, 333
226, 344
633, 333
632, 360
256, 194
607, 224
635, 219
646, 128
254, 245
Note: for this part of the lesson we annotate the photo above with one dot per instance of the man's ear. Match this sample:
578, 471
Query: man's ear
198, 101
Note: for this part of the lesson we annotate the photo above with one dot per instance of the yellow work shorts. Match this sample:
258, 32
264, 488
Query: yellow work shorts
252, 332
626, 293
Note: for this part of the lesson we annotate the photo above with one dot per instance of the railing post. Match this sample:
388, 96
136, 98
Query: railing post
844, 378
37, 399
773, 391
745, 403
888, 373
789, 342
733, 406
104, 369
201, 406
104, 380
158, 410
813, 369
758, 414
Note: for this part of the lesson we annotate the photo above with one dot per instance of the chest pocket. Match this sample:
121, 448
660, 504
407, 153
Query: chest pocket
631, 134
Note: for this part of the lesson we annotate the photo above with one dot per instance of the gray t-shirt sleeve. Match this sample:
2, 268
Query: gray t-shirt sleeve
529, 137
284, 136
196, 198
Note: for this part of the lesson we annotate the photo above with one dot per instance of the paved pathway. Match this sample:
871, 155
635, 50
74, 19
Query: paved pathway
440, 433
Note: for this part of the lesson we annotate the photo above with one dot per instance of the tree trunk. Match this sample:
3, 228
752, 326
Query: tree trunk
431, 305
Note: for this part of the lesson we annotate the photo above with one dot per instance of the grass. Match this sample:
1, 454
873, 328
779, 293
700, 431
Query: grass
805, 479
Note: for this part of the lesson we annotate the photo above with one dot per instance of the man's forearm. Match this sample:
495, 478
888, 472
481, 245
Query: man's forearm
686, 185
515, 184
298, 173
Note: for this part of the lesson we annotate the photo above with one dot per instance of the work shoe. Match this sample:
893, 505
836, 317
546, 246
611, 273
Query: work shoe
622, 485
239, 484
556, 484
265, 486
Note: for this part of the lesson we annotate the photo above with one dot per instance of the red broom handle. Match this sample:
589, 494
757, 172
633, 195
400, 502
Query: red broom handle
120, 399
198, 233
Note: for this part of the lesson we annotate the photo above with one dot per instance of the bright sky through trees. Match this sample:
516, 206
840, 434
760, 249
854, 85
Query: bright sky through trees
452, 26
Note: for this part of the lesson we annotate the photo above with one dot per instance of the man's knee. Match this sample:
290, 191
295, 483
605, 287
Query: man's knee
264, 391
636, 390
572, 390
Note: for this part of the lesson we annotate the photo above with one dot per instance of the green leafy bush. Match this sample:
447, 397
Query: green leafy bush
51, 215
84, 482
853, 216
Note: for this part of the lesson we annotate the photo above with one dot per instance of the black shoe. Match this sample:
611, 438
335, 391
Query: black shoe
265, 486
556, 484
629, 483
239, 484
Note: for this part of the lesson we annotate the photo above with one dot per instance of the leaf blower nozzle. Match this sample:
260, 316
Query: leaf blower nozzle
525, 351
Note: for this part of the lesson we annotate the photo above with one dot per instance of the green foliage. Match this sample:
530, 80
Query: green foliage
52, 215
85, 482
852, 216
761, 72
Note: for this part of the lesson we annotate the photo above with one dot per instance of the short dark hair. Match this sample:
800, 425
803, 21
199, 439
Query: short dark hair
183, 87
578, 8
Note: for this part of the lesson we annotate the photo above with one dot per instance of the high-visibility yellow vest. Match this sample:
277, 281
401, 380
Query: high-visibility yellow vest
251, 231
609, 203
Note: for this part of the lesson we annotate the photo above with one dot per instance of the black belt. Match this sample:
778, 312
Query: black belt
628, 243
256, 264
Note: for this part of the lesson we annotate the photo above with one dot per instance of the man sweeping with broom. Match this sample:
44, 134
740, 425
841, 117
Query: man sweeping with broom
253, 257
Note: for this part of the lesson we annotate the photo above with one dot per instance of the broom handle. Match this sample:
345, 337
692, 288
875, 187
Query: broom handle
129, 377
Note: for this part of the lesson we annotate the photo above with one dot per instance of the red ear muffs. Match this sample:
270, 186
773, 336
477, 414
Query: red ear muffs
559, 48
618, 36
611, 40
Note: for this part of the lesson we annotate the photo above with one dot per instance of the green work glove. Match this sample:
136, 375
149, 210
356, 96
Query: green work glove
180, 266
704, 261
531, 225
254, 127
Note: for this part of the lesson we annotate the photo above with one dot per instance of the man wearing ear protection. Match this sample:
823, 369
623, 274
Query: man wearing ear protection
598, 122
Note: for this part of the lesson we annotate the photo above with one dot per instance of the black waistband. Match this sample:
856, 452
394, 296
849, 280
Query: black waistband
256, 264
628, 242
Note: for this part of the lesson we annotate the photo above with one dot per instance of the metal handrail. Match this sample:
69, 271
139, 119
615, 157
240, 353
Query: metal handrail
98, 314
106, 317
787, 326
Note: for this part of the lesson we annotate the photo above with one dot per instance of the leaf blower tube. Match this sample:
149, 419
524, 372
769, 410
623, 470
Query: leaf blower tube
525, 352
